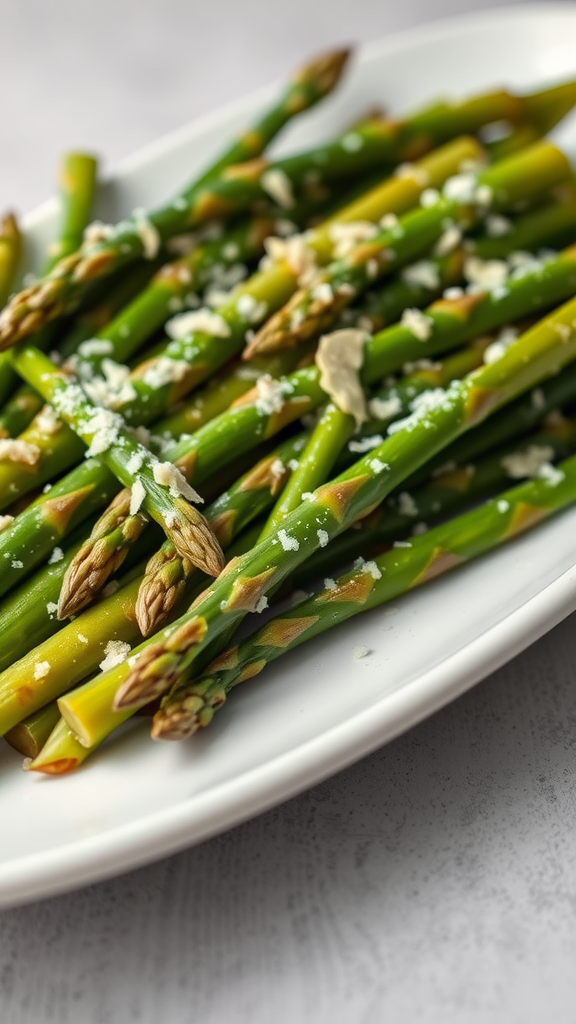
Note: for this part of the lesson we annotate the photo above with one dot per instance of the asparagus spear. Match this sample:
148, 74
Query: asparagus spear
452, 322
19, 412
366, 587
335, 428
163, 491
160, 663
142, 235
10, 253
29, 736
88, 714
77, 181
84, 490
551, 225
78, 647
191, 359
442, 496
463, 203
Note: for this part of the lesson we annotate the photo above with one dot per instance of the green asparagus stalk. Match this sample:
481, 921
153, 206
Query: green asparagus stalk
77, 181
104, 433
160, 663
21, 409
29, 736
141, 235
193, 358
463, 203
77, 649
510, 423
88, 711
365, 587
167, 574
454, 321
552, 225
10, 254
442, 496
335, 428
28, 615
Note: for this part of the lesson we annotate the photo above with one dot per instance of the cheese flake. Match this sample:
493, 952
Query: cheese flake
339, 358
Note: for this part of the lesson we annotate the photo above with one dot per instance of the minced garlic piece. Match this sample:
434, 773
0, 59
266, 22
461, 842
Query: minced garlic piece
339, 357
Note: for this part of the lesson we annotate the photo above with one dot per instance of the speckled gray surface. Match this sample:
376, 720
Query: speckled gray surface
433, 882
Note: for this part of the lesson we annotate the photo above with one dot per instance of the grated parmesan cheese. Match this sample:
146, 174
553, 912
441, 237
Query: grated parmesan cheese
56, 556
497, 225
448, 241
323, 538
406, 504
385, 408
423, 274
360, 651
5, 522
47, 421
346, 236
415, 321
270, 395
168, 475
115, 652
95, 347
19, 451
365, 444
288, 543
202, 320
486, 274
163, 371
527, 463
41, 669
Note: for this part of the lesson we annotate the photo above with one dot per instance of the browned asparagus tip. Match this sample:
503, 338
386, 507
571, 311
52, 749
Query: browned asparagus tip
326, 68
194, 540
155, 601
175, 722
141, 685
9, 227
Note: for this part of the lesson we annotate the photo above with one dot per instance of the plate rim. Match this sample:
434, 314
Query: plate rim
164, 833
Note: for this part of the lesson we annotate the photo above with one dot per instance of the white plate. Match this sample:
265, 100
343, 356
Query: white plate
318, 709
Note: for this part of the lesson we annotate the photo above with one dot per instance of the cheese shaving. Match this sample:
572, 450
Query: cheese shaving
339, 357
279, 187
137, 496
168, 475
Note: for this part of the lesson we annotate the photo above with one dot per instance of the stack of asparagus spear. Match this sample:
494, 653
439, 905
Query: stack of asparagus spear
360, 358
